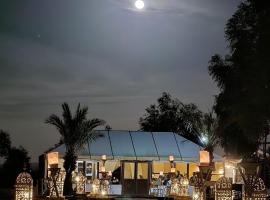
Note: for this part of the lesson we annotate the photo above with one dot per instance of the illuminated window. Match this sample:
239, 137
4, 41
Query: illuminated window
89, 168
142, 172
157, 167
182, 168
193, 167
219, 171
129, 169
80, 167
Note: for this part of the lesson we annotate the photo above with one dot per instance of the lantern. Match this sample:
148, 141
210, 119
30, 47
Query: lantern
173, 170
24, 187
204, 158
171, 158
80, 183
53, 159
104, 157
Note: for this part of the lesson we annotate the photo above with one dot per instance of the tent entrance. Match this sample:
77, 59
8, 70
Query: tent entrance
136, 177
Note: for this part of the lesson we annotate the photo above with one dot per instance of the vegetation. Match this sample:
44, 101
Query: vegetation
173, 115
75, 130
243, 105
5, 143
16, 161
208, 136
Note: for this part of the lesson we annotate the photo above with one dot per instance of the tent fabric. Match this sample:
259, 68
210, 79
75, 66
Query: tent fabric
138, 145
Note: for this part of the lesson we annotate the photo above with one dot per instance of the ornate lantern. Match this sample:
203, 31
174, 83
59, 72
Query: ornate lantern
80, 183
56, 182
224, 189
24, 187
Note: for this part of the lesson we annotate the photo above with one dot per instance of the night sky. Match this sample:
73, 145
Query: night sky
104, 54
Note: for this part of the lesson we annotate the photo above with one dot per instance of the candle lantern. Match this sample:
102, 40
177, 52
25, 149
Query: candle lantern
24, 187
173, 170
53, 159
104, 157
204, 158
80, 183
171, 158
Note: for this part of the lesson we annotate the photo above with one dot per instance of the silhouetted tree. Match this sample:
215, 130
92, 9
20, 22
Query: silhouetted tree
172, 115
208, 133
5, 143
75, 130
243, 76
16, 162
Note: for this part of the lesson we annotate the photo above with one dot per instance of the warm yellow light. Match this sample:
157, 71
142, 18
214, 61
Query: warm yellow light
171, 158
103, 192
103, 169
104, 157
139, 4
204, 157
161, 173
221, 171
172, 170
77, 178
53, 158
109, 173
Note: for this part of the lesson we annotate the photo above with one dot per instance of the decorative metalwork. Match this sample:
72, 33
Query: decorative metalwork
96, 187
24, 187
179, 187
80, 183
198, 182
254, 188
104, 187
223, 189
175, 187
56, 182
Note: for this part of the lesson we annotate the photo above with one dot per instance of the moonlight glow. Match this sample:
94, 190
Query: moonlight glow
139, 4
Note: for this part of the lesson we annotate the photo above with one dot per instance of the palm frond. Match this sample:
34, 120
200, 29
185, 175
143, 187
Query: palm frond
57, 122
67, 116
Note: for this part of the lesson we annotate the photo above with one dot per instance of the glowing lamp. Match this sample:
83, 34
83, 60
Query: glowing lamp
24, 187
172, 170
104, 157
102, 169
161, 173
109, 173
204, 158
171, 158
53, 159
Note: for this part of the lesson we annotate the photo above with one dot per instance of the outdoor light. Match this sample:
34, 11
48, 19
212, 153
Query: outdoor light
204, 158
24, 187
109, 173
53, 159
139, 4
171, 158
172, 170
103, 192
221, 171
102, 169
104, 157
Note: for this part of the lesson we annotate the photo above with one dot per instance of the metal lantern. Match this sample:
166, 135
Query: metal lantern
24, 187
80, 183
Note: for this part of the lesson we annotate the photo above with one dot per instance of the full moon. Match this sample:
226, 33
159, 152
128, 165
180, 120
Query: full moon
139, 4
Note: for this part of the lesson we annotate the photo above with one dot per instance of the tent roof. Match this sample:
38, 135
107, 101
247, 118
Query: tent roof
137, 145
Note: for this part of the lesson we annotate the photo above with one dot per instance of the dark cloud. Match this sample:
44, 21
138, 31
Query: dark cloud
103, 54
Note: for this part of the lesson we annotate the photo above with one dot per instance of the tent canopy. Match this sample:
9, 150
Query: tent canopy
137, 145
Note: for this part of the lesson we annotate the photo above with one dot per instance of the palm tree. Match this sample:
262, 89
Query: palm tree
208, 136
75, 130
